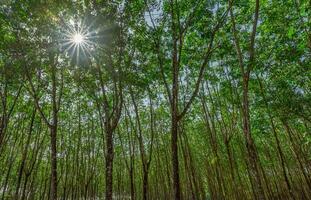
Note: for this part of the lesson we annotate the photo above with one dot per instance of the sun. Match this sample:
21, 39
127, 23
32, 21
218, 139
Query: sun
77, 38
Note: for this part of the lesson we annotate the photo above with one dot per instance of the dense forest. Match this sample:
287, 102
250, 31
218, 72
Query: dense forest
155, 99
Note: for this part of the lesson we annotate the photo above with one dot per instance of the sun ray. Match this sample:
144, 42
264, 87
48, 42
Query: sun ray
70, 46
77, 40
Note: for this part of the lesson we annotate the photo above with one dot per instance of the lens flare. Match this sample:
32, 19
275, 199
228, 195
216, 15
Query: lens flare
77, 40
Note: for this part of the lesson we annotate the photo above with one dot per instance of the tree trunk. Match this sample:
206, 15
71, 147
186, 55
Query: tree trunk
53, 131
132, 183
24, 156
145, 184
2, 129
277, 140
109, 162
250, 146
175, 164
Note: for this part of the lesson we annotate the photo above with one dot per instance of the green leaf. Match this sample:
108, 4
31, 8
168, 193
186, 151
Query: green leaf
291, 32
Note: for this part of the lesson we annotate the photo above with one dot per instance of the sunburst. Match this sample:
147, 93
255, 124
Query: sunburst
77, 40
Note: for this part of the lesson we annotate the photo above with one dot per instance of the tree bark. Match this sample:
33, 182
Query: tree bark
53, 132
109, 162
175, 164
253, 158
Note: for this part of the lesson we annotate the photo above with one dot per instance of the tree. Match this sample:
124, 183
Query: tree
155, 100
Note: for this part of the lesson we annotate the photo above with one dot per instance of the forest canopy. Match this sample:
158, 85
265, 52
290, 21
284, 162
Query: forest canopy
155, 99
